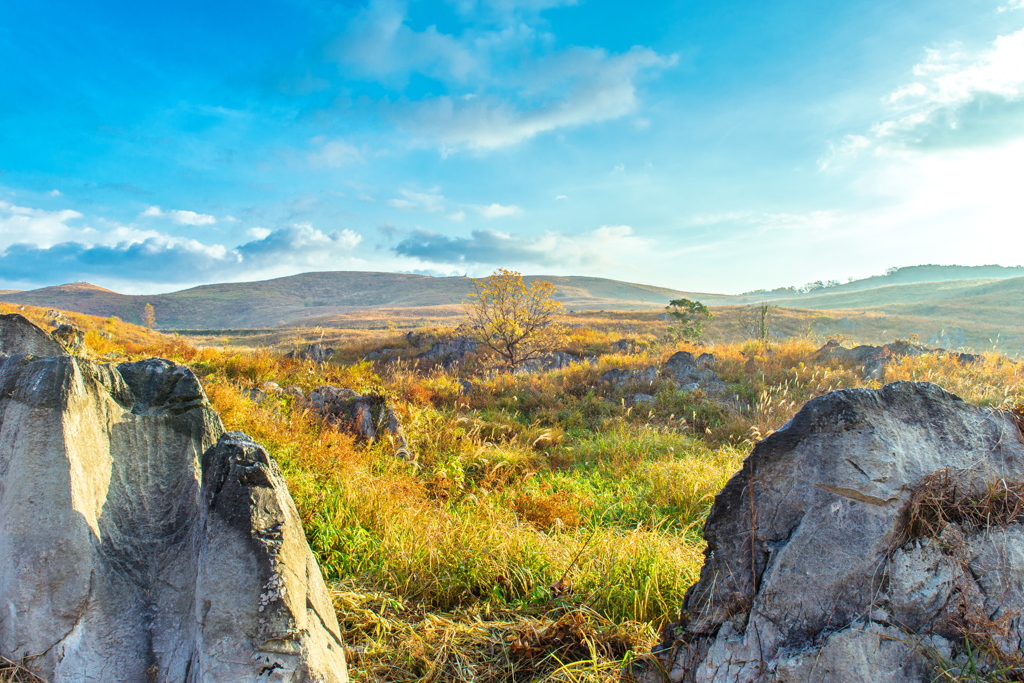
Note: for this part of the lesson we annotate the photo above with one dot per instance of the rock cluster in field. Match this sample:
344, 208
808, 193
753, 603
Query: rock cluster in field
369, 416
316, 353
138, 540
873, 359
875, 537
682, 368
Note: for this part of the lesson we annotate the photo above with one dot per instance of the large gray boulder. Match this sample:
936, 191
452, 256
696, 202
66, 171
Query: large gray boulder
138, 542
19, 335
863, 541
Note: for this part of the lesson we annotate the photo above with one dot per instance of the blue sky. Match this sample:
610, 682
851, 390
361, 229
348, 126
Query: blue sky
702, 145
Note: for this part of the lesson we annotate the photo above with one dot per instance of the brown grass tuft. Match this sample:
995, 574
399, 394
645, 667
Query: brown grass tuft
941, 499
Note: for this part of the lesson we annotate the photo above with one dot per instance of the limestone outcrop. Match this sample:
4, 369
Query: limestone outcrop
138, 541
869, 539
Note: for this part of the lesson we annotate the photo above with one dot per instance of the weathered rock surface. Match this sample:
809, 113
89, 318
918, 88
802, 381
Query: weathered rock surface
871, 359
19, 335
557, 360
451, 351
140, 543
369, 417
70, 337
686, 372
816, 568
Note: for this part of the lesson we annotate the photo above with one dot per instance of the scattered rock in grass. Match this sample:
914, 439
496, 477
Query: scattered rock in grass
630, 346
968, 358
272, 388
138, 541
620, 377
382, 354
871, 359
638, 399
452, 351
876, 531
688, 371
558, 360
314, 352
368, 416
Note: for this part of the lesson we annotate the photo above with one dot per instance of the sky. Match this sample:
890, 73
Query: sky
702, 145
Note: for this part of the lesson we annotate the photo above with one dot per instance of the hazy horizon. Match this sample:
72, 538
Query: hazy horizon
699, 146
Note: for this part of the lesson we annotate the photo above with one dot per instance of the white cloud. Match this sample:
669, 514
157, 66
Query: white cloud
54, 193
578, 87
430, 201
378, 44
179, 217
459, 215
561, 196
960, 98
497, 210
18, 223
495, 86
607, 247
333, 153
43, 247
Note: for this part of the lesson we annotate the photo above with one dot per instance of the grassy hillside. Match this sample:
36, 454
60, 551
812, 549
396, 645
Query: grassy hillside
975, 314
294, 299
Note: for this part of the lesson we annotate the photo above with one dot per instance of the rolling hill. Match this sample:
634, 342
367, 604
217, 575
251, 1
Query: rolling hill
296, 299
975, 311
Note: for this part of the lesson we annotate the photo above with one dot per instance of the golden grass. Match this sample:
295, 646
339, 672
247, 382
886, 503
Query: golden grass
547, 527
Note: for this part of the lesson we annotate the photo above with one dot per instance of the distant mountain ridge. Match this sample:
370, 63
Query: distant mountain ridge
290, 300
903, 276
323, 298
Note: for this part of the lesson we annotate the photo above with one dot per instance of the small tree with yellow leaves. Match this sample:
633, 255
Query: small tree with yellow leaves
149, 316
513, 319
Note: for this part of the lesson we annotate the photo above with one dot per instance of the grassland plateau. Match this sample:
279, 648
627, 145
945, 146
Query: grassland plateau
547, 522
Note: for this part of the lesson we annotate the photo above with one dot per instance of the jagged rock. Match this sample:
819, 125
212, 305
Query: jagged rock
314, 352
19, 335
818, 570
637, 399
70, 337
451, 351
135, 546
368, 417
968, 358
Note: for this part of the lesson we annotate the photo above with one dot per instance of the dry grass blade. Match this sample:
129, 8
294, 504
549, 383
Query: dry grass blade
11, 672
